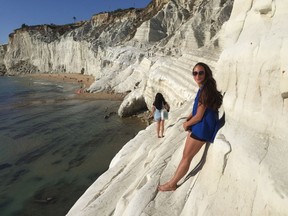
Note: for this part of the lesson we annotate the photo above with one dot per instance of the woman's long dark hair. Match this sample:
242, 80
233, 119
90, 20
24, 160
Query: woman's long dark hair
159, 101
209, 96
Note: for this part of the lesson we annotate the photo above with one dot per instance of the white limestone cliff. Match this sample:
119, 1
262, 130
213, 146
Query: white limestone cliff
246, 170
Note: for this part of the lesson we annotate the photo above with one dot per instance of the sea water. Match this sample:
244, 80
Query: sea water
53, 146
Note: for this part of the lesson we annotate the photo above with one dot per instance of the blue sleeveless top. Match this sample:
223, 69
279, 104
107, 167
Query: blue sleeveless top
207, 128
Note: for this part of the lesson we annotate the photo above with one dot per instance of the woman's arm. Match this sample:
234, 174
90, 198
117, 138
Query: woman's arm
189, 117
191, 120
153, 111
167, 107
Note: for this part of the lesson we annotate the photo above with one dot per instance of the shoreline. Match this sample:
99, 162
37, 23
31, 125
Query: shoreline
85, 81
81, 94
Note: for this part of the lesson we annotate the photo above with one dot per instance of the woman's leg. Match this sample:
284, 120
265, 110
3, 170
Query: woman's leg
192, 147
162, 127
158, 128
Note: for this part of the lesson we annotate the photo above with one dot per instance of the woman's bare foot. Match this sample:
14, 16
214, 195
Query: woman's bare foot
167, 187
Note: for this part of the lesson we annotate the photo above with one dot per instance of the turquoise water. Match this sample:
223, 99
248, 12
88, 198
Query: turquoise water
52, 146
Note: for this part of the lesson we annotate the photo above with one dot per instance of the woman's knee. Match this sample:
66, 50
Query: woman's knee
186, 159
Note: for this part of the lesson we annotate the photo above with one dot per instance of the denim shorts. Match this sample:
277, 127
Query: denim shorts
157, 115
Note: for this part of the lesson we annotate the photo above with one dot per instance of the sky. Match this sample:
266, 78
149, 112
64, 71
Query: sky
14, 13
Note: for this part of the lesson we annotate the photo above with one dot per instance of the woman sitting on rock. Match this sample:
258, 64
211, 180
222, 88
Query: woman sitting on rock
202, 122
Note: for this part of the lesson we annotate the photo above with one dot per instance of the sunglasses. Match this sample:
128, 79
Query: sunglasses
200, 73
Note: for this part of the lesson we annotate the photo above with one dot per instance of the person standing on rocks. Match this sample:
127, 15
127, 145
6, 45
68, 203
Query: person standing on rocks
160, 111
202, 122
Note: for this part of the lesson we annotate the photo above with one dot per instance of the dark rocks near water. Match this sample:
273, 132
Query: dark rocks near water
29, 158
56, 162
5, 166
76, 162
18, 174
109, 115
23, 67
34, 155
3, 69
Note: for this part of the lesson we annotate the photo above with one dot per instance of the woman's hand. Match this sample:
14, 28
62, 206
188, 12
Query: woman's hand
186, 126
152, 112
